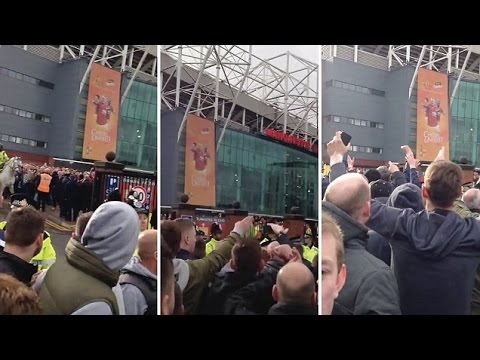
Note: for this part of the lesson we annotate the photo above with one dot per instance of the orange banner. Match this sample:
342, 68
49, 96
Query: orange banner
432, 114
102, 113
200, 161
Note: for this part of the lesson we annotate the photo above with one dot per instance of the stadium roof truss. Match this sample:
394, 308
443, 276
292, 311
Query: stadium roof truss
459, 61
139, 62
211, 80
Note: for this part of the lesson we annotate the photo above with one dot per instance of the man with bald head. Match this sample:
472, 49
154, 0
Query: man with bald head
294, 291
139, 277
471, 198
370, 287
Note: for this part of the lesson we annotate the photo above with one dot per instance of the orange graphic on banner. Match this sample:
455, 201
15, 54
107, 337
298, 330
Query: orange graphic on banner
200, 161
432, 114
102, 113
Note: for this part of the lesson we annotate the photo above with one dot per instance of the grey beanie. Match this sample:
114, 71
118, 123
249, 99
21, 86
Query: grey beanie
406, 196
112, 233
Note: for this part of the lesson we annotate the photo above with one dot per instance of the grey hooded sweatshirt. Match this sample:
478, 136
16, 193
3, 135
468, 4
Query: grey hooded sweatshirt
135, 302
109, 241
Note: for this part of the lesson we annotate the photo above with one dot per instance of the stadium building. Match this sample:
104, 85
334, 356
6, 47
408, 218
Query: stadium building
235, 127
385, 96
45, 93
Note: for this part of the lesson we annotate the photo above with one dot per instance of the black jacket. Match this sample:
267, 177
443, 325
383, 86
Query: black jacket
293, 309
223, 285
370, 287
379, 246
256, 297
435, 255
18, 268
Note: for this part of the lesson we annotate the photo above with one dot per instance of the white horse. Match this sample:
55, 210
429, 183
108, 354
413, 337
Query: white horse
7, 176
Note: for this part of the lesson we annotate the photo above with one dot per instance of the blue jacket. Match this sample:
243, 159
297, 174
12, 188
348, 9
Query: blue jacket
435, 255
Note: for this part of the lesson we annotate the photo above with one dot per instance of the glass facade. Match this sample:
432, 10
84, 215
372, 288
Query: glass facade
137, 130
464, 122
266, 177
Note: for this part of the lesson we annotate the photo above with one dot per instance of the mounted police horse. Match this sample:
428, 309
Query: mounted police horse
7, 176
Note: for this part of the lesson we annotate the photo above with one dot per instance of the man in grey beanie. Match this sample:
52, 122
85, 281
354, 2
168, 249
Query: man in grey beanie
85, 282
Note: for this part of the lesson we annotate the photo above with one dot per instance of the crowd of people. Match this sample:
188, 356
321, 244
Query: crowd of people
110, 261
109, 266
394, 242
67, 189
256, 269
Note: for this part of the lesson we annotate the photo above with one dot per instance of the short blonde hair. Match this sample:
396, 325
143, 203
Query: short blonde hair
330, 226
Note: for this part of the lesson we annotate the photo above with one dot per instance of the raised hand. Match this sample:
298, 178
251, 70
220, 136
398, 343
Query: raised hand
241, 227
278, 229
350, 162
441, 154
392, 167
407, 150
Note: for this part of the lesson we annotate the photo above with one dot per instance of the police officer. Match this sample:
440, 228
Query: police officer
216, 236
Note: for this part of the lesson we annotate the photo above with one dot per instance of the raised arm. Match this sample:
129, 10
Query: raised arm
387, 220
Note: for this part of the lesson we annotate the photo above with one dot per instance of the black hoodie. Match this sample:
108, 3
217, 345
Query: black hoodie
370, 287
435, 254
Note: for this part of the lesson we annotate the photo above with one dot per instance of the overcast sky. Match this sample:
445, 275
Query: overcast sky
309, 52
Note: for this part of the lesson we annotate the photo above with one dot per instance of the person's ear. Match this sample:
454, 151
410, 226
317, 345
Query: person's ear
366, 209
424, 192
155, 255
313, 299
232, 264
275, 293
342, 275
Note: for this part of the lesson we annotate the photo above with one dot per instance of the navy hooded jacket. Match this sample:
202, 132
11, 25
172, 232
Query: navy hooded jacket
435, 255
